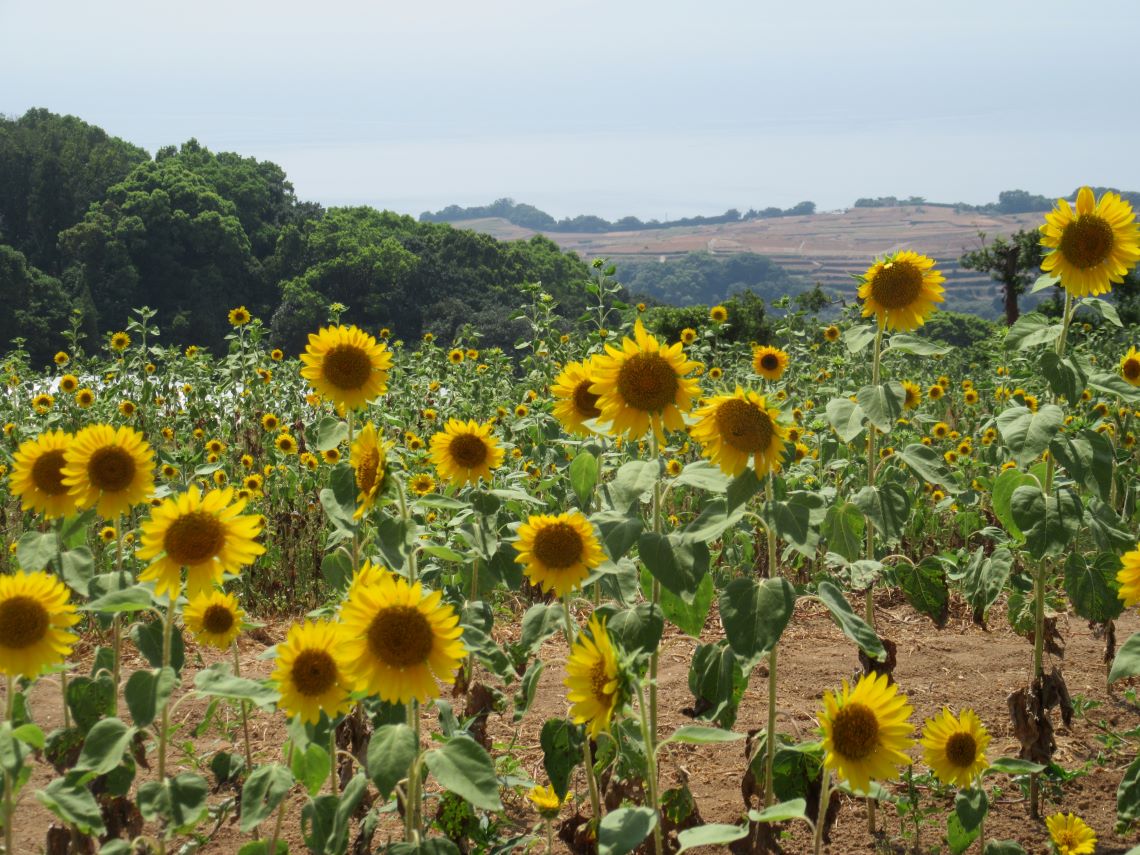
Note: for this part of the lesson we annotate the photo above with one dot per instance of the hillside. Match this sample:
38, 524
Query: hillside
826, 247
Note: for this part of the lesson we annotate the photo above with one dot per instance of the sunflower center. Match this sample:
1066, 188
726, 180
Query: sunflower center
558, 545
585, 401
111, 469
347, 367
647, 381
855, 732
314, 672
599, 679
218, 619
47, 473
769, 362
744, 426
368, 470
962, 750
194, 538
468, 450
23, 622
1131, 368
1087, 241
896, 285
400, 636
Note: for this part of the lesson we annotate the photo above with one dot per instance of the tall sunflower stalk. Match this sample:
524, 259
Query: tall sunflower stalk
571, 629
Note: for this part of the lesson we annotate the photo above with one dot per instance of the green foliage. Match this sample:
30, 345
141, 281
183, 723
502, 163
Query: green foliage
958, 329
704, 278
746, 313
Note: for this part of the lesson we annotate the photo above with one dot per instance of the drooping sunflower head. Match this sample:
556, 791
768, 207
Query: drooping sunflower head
1129, 577
37, 475
399, 640
112, 470
35, 615
955, 748
901, 290
346, 365
866, 730
464, 452
368, 457
558, 552
593, 680
734, 428
207, 535
769, 362
214, 618
1070, 834
643, 385
1093, 246
574, 403
310, 672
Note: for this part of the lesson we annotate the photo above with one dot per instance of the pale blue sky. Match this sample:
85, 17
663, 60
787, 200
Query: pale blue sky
646, 108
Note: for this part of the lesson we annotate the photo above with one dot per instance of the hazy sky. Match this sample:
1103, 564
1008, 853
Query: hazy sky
648, 108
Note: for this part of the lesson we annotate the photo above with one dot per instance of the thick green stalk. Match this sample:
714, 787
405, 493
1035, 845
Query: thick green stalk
821, 817
271, 846
8, 783
244, 721
869, 603
164, 722
656, 512
651, 764
770, 743
116, 628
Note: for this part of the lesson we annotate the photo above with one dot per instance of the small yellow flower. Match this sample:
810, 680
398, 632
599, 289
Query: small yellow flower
544, 799
62, 358
718, 314
1070, 834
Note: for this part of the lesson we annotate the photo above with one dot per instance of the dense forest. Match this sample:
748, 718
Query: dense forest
530, 217
91, 222
701, 278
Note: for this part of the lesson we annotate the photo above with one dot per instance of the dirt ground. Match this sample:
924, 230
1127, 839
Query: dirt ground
960, 665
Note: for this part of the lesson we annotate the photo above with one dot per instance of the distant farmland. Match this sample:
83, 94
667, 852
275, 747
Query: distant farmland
825, 248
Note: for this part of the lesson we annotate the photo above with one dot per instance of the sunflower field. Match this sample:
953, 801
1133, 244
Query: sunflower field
849, 590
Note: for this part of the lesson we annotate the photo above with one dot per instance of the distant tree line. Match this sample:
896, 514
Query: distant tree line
700, 278
530, 217
1009, 202
91, 222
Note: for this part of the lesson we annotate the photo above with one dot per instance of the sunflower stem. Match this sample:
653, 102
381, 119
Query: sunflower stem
164, 725
62, 674
651, 766
412, 801
651, 746
821, 817
8, 785
116, 641
869, 596
271, 846
244, 720
356, 525
770, 744
332, 757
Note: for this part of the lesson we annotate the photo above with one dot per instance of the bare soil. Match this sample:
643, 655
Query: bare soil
960, 665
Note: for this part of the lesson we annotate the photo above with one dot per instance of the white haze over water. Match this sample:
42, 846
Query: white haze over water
656, 109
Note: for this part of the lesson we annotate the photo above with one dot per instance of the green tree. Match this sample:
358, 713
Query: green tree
1014, 262
36, 306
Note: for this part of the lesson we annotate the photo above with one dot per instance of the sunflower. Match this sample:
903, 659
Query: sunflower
574, 403
955, 748
214, 618
769, 362
34, 618
464, 451
310, 673
346, 365
61, 358
971, 395
644, 385
253, 482
205, 534
399, 640
120, 341
1070, 834
367, 458
940, 430
558, 552
901, 290
865, 730
718, 314
831, 333
37, 475
688, 335
1129, 577
734, 428
43, 402
1092, 247
715, 373
936, 392
1130, 367
239, 317
912, 395
84, 398
110, 469
286, 443
455, 357
674, 467
108, 534
545, 801
68, 383
331, 456
592, 679
422, 484
127, 408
